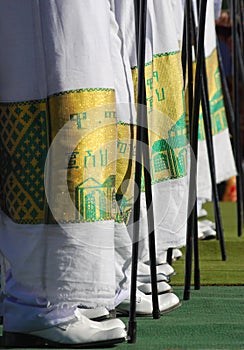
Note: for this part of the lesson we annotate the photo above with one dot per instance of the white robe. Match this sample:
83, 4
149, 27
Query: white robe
223, 155
55, 51
162, 39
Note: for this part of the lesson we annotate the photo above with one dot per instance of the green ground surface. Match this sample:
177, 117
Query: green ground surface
213, 270
213, 318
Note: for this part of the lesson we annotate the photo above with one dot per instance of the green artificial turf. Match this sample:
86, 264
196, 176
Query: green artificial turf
213, 318
214, 271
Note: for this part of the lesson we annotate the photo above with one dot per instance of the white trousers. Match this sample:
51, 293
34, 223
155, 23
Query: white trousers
54, 269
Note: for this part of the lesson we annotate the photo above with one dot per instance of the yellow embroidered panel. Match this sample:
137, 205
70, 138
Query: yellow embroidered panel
168, 128
77, 133
217, 108
125, 170
87, 149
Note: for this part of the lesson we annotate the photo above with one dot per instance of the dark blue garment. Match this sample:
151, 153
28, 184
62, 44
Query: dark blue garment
226, 57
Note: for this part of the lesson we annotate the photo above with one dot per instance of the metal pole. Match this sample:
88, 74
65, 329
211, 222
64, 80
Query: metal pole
131, 333
145, 154
141, 150
226, 93
192, 198
169, 256
210, 149
194, 140
195, 31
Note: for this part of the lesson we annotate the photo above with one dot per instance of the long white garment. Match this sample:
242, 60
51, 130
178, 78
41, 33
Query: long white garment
224, 160
61, 63
163, 75
178, 10
223, 155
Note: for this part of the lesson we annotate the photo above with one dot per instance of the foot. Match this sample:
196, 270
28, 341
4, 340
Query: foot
177, 254
82, 333
167, 302
163, 273
162, 287
166, 269
202, 212
208, 223
162, 257
205, 232
96, 314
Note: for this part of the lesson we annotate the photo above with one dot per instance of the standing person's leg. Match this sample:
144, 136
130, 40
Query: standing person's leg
50, 76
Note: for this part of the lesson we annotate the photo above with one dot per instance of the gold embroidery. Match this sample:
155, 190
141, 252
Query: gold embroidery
88, 148
166, 116
217, 108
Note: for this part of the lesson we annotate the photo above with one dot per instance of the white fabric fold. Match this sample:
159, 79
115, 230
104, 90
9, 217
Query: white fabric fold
224, 164
62, 267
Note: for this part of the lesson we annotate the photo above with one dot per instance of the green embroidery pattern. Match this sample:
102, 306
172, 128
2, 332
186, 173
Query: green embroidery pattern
171, 154
23, 149
92, 198
158, 55
68, 92
218, 116
167, 120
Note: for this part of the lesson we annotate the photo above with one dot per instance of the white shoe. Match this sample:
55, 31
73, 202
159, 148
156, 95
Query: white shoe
162, 287
96, 314
166, 269
209, 223
108, 324
167, 302
177, 254
202, 213
163, 267
200, 233
81, 333
206, 231
160, 259
144, 274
